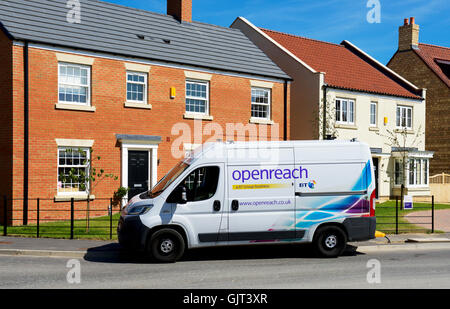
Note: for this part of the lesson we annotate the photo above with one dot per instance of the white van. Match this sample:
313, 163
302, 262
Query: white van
320, 192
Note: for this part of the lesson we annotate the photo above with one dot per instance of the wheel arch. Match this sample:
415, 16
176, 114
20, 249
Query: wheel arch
330, 224
175, 227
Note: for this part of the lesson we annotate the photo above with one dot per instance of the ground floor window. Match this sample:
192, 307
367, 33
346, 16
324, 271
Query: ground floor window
72, 169
416, 170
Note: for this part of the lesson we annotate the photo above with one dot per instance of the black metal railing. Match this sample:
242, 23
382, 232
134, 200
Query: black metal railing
71, 218
394, 218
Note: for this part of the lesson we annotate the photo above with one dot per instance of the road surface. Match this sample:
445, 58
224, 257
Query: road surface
265, 267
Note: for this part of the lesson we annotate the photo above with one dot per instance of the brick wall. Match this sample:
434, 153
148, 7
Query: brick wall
230, 102
410, 66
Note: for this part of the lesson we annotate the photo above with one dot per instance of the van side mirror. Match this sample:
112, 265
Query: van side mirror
178, 196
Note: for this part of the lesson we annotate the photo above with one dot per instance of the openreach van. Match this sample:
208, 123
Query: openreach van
224, 194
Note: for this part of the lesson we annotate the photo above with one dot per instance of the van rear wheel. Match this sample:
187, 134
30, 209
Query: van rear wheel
166, 245
330, 241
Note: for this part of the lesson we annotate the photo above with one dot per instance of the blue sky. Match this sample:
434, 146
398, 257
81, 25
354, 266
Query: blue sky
327, 20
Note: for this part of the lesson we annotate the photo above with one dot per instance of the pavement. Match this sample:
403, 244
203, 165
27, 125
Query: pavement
46, 247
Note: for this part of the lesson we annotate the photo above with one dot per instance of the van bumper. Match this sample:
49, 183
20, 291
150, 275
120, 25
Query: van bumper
361, 228
132, 233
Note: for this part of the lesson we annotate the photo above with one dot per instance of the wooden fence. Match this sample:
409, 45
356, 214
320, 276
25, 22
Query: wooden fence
440, 187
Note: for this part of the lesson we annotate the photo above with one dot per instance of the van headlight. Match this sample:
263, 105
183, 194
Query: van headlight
139, 209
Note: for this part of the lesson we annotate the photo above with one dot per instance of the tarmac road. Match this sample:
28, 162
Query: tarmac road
265, 267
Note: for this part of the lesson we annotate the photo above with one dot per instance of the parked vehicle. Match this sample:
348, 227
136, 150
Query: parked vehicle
320, 192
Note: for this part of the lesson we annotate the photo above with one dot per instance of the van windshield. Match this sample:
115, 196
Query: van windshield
168, 179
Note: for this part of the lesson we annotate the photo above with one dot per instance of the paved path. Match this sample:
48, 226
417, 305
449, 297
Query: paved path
441, 219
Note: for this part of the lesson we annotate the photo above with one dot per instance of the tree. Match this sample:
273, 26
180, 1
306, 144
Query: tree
324, 119
403, 141
88, 178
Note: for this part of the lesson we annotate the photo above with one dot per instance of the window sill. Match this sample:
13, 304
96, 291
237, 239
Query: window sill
408, 131
346, 126
76, 197
73, 107
138, 105
261, 121
198, 116
376, 129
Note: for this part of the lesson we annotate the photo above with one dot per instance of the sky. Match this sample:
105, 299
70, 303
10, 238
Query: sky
327, 20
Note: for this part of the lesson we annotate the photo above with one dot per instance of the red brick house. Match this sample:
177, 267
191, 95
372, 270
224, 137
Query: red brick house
121, 82
428, 66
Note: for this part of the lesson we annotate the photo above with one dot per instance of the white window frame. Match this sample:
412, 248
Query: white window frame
420, 179
340, 112
206, 100
399, 116
86, 166
268, 104
376, 114
145, 84
88, 83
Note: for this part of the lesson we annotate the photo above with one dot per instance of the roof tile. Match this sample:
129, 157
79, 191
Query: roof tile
342, 67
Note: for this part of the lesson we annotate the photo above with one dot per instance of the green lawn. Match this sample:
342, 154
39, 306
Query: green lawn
99, 228
385, 213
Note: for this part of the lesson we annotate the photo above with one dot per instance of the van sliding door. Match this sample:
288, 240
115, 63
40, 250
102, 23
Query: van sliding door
261, 201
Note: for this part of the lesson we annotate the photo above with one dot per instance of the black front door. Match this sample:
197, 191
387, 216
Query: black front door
137, 172
375, 167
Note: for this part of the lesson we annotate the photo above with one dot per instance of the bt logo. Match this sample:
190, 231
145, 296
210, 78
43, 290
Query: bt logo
312, 184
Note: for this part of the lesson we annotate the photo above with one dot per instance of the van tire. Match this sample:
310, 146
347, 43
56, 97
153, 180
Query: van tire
166, 245
329, 241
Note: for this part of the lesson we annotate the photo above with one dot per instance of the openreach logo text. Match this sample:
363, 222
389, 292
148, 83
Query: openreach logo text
268, 174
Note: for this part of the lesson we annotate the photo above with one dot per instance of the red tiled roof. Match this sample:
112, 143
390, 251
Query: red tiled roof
429, 54
344, 68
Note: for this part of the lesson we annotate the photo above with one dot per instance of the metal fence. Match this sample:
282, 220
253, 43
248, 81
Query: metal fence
60, 219
394, 218
98, 219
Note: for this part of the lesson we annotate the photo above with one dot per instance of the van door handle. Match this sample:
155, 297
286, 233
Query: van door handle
216, 206
235, 205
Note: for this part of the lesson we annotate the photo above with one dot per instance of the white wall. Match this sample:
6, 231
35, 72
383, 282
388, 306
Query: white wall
379, 136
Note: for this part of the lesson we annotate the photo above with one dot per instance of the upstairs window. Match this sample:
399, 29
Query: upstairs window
137, 87
260, 103
404, 117
373, 114
197, 97
74, 83
345, 111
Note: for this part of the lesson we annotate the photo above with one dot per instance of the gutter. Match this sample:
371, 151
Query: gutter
26, 133
285, 129
324, 121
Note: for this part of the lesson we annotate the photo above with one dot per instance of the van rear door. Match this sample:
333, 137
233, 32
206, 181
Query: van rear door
334, 185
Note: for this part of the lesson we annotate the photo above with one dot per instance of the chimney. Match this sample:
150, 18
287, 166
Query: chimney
180, 9
408, 35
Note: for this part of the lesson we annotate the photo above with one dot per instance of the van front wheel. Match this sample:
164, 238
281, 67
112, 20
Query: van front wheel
330, 241
166, 245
